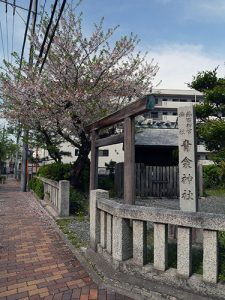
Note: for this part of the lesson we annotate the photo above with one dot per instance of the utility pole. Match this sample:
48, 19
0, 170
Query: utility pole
24, 168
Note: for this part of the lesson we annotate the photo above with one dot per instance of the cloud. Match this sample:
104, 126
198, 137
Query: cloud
203, 10
198, 10
180, 62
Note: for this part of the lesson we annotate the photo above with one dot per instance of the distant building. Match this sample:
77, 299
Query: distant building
171, 98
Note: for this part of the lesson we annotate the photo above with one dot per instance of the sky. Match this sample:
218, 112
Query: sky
183, 36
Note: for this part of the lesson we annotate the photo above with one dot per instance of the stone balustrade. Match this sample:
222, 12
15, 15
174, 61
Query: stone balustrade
58, 194
110, 228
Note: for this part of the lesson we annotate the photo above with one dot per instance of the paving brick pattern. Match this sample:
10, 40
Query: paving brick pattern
35, 263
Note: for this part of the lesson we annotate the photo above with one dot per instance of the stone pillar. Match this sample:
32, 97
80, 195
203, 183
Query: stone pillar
109, 234
121, 239
184, 257
95, 216
160, 246
140, 242
187, 159
103, 229
210, 256
64, 198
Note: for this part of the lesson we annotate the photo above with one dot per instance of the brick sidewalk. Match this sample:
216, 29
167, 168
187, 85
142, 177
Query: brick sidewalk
35, 262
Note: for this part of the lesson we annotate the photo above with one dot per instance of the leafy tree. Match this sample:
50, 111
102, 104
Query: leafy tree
83, 79
8, 147
211, 113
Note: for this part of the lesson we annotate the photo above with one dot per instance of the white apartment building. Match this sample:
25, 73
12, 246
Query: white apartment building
172, 98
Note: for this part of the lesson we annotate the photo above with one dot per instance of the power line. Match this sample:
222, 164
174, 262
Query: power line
53, 34
7, 29
47, 32
3, 48
25, 33
34, 20
13, 27
17, 6
20, 17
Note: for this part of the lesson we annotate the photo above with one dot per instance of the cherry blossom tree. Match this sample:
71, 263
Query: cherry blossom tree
83, 79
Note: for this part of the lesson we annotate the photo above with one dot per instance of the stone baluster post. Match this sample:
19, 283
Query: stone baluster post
184, 261
210, 256
160, 246
121, 239
95, 216
140, 242
64, 198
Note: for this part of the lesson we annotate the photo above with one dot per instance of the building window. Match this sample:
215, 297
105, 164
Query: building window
176, 100
174, 113
103, 152
156, 101
165, 113
154, 115
164, 99
183, 100
76, 152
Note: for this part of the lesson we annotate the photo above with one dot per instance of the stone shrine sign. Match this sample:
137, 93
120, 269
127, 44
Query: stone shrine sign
187, 159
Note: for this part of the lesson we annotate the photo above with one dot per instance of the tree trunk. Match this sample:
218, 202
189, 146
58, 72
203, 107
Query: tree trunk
80, 171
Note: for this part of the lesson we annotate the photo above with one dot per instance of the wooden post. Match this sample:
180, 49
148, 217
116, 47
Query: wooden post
129, 161
94, 162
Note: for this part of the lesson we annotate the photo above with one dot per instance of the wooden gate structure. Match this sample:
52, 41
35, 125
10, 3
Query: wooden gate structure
125, 115
151, 181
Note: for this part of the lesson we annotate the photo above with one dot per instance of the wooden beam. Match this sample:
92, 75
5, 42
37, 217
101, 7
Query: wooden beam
129, 162
94, 162
111, 140
136, 108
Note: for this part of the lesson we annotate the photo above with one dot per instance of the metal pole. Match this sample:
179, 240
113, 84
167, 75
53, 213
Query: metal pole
24, 177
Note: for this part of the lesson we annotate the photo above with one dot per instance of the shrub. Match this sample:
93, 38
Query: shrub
55, 171
213, 175
106, 182
37, 186
78, 202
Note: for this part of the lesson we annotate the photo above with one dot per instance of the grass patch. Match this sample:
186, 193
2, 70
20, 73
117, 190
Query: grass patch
71, 235
219, 192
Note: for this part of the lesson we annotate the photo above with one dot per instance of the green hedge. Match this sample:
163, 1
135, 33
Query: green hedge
55, 171
37, 186
78, 200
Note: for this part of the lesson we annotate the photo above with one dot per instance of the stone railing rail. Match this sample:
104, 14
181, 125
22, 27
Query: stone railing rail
58, 193
110, 229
